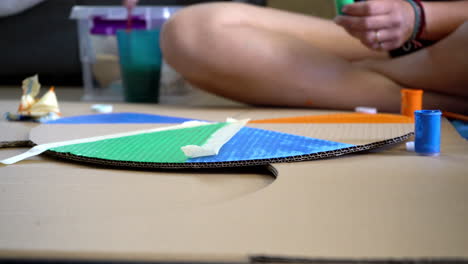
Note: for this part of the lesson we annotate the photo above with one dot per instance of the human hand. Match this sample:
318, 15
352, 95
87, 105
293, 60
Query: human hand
379, 24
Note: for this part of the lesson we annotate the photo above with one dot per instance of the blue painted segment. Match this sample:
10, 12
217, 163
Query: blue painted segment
462, 127
427, 132
120, 118
253, 144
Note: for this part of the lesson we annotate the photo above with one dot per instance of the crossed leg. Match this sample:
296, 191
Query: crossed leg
263, 56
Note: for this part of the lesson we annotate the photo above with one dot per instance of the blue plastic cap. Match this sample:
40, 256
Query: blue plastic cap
427, 132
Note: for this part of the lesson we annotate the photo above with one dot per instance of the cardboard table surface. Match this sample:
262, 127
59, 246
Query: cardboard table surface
389, 204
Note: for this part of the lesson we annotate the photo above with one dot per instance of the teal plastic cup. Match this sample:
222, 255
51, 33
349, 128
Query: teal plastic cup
140, 64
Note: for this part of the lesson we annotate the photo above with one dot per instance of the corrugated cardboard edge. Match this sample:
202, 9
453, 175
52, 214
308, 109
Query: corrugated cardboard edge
90, 257
230, 164
270, 259
17, 144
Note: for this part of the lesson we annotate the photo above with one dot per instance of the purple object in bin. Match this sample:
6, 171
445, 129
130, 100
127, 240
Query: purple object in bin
103, 26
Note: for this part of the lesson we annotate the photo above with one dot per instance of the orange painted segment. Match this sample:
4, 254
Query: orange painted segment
339, 118
411, 100
455, 116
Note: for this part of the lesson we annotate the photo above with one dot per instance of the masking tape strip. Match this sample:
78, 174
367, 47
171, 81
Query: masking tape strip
216, 141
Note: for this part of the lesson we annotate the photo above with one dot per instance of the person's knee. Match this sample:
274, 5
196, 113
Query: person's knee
193, 28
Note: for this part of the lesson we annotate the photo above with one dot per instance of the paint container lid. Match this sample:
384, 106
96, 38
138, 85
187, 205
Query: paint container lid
365, 110
102, 108
411, 100
410, 146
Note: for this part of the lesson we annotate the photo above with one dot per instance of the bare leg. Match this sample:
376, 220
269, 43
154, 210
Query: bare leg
202, 19
277, 61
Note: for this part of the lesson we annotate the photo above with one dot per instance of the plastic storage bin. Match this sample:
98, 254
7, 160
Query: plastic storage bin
97, 26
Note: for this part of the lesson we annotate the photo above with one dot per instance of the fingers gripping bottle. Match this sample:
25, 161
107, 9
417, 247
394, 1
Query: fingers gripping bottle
340, 3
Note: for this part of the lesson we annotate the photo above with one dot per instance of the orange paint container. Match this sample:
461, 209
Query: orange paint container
411, 100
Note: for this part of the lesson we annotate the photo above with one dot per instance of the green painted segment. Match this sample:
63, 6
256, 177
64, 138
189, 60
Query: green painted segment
160, 147
339, 5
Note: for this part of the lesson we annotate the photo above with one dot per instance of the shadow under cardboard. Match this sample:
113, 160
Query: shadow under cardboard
265, 170
251, 260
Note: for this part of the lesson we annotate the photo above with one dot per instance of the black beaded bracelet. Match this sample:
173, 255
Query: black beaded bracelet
417, 19
422, 25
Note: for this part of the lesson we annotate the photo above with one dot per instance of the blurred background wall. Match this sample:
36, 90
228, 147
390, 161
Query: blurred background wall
43, 39
322, 8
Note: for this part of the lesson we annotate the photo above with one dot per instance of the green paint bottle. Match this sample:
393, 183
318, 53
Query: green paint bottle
339, 5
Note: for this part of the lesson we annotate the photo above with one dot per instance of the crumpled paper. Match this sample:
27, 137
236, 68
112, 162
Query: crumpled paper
33, 109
